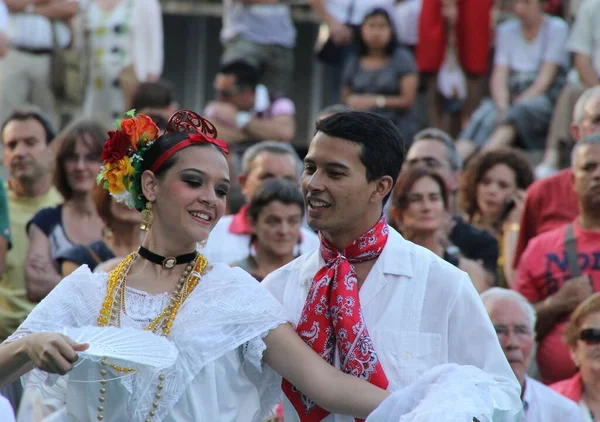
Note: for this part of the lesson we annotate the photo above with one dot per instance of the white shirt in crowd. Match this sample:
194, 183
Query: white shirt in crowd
542, 404
6, 411
34, 32
420, 312
226, 247
517, 54
3, 17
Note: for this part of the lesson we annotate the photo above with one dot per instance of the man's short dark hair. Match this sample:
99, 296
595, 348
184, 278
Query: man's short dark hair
27, 113
152, 95
245, 74
382, 144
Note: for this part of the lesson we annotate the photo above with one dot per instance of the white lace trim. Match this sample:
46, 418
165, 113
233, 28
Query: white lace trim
227, 309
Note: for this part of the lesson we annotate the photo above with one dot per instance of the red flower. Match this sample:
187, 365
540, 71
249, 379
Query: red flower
116, 147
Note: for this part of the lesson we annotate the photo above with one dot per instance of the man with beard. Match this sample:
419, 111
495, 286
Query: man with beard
560, 268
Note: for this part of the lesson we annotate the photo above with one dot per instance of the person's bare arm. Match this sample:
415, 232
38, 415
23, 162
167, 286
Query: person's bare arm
499, 86
585, 69
340, 33
40, 275
58, 9
560, 304
405, 99
279, 128
330, 388
544, 79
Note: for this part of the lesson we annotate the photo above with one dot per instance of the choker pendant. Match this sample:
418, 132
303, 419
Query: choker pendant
168, 262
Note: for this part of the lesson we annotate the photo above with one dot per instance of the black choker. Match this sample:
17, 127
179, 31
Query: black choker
169, 261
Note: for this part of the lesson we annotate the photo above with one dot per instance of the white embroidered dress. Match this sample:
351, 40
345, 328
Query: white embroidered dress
218, 375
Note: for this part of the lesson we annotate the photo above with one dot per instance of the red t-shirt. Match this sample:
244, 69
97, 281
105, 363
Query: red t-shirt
549, 203
542, 272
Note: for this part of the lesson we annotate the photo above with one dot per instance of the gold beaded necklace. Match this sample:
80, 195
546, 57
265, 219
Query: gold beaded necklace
114, 305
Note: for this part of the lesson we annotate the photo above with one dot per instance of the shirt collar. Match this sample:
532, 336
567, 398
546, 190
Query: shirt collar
395, 259
239, 222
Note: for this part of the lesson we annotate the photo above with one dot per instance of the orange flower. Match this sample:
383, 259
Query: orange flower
140, 128
116, 173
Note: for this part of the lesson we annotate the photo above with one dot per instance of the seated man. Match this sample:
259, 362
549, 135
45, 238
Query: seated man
230, 239
156, 100
244, 111
514, 320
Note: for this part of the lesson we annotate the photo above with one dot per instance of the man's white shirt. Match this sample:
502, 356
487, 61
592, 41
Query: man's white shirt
419, 310
542, 404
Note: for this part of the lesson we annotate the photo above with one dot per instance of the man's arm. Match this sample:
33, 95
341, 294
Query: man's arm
57, 9
40, 275
279, 128
585, 69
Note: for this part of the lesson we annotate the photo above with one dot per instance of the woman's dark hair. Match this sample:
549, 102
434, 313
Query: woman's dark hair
102, 200
405, 184
391, 46
480, 165
271, 190
27, 113
382, 144
91, 133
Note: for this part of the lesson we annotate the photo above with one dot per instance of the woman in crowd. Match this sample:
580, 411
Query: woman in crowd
275, 214
383, 77
121, 235
54, 230
492, 196
223, 323
582, 336
419, 211
529, 71
124, 41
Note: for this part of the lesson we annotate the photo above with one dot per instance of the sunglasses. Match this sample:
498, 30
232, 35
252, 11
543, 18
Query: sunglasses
590, 336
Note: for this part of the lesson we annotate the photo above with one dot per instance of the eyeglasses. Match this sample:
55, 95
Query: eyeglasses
590, 336
228, 93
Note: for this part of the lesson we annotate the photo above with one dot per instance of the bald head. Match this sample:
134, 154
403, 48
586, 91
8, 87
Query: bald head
586, 114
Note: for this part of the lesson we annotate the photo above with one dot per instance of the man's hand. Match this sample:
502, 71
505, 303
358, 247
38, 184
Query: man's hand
223, 112
573, 292
340, 33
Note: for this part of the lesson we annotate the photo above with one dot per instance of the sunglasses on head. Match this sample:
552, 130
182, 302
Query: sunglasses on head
590, 336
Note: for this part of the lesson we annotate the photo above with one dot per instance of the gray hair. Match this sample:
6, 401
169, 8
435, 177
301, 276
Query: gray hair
333, 109
273, 147
441, 136
491, 296
593, 139
579, 109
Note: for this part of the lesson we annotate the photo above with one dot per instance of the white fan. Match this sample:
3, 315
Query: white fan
125, 344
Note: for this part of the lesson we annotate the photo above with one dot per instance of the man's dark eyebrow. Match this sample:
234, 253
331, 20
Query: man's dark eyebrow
330, 164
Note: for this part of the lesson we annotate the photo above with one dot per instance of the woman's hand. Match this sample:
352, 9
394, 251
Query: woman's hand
514, 216
361, 102
53, 352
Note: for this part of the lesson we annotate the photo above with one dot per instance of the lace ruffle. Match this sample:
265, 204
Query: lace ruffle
227, 310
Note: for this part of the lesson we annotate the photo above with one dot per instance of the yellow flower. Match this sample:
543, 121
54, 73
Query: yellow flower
116, 173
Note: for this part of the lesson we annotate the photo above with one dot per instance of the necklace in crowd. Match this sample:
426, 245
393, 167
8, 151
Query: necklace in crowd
114, 305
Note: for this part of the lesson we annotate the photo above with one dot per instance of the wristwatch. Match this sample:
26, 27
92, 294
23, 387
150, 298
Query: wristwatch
380, 101
242, 118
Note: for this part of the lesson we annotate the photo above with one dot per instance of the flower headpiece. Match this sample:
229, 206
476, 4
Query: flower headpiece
124, 151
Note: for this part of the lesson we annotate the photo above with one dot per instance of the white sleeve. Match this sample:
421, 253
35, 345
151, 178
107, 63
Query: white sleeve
6, 411
148, 47
3, 17
472, 340
502, 54
556, 45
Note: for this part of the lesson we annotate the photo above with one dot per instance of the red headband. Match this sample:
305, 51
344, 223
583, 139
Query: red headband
188, 121
194, 138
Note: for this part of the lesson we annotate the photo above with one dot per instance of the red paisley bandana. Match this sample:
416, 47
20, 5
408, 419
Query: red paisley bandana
332, 317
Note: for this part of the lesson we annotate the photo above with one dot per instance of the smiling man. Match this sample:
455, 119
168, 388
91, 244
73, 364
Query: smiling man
368, 301
514, 319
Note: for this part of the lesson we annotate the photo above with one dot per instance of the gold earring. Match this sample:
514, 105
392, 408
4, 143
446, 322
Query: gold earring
203, 243
147, 217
